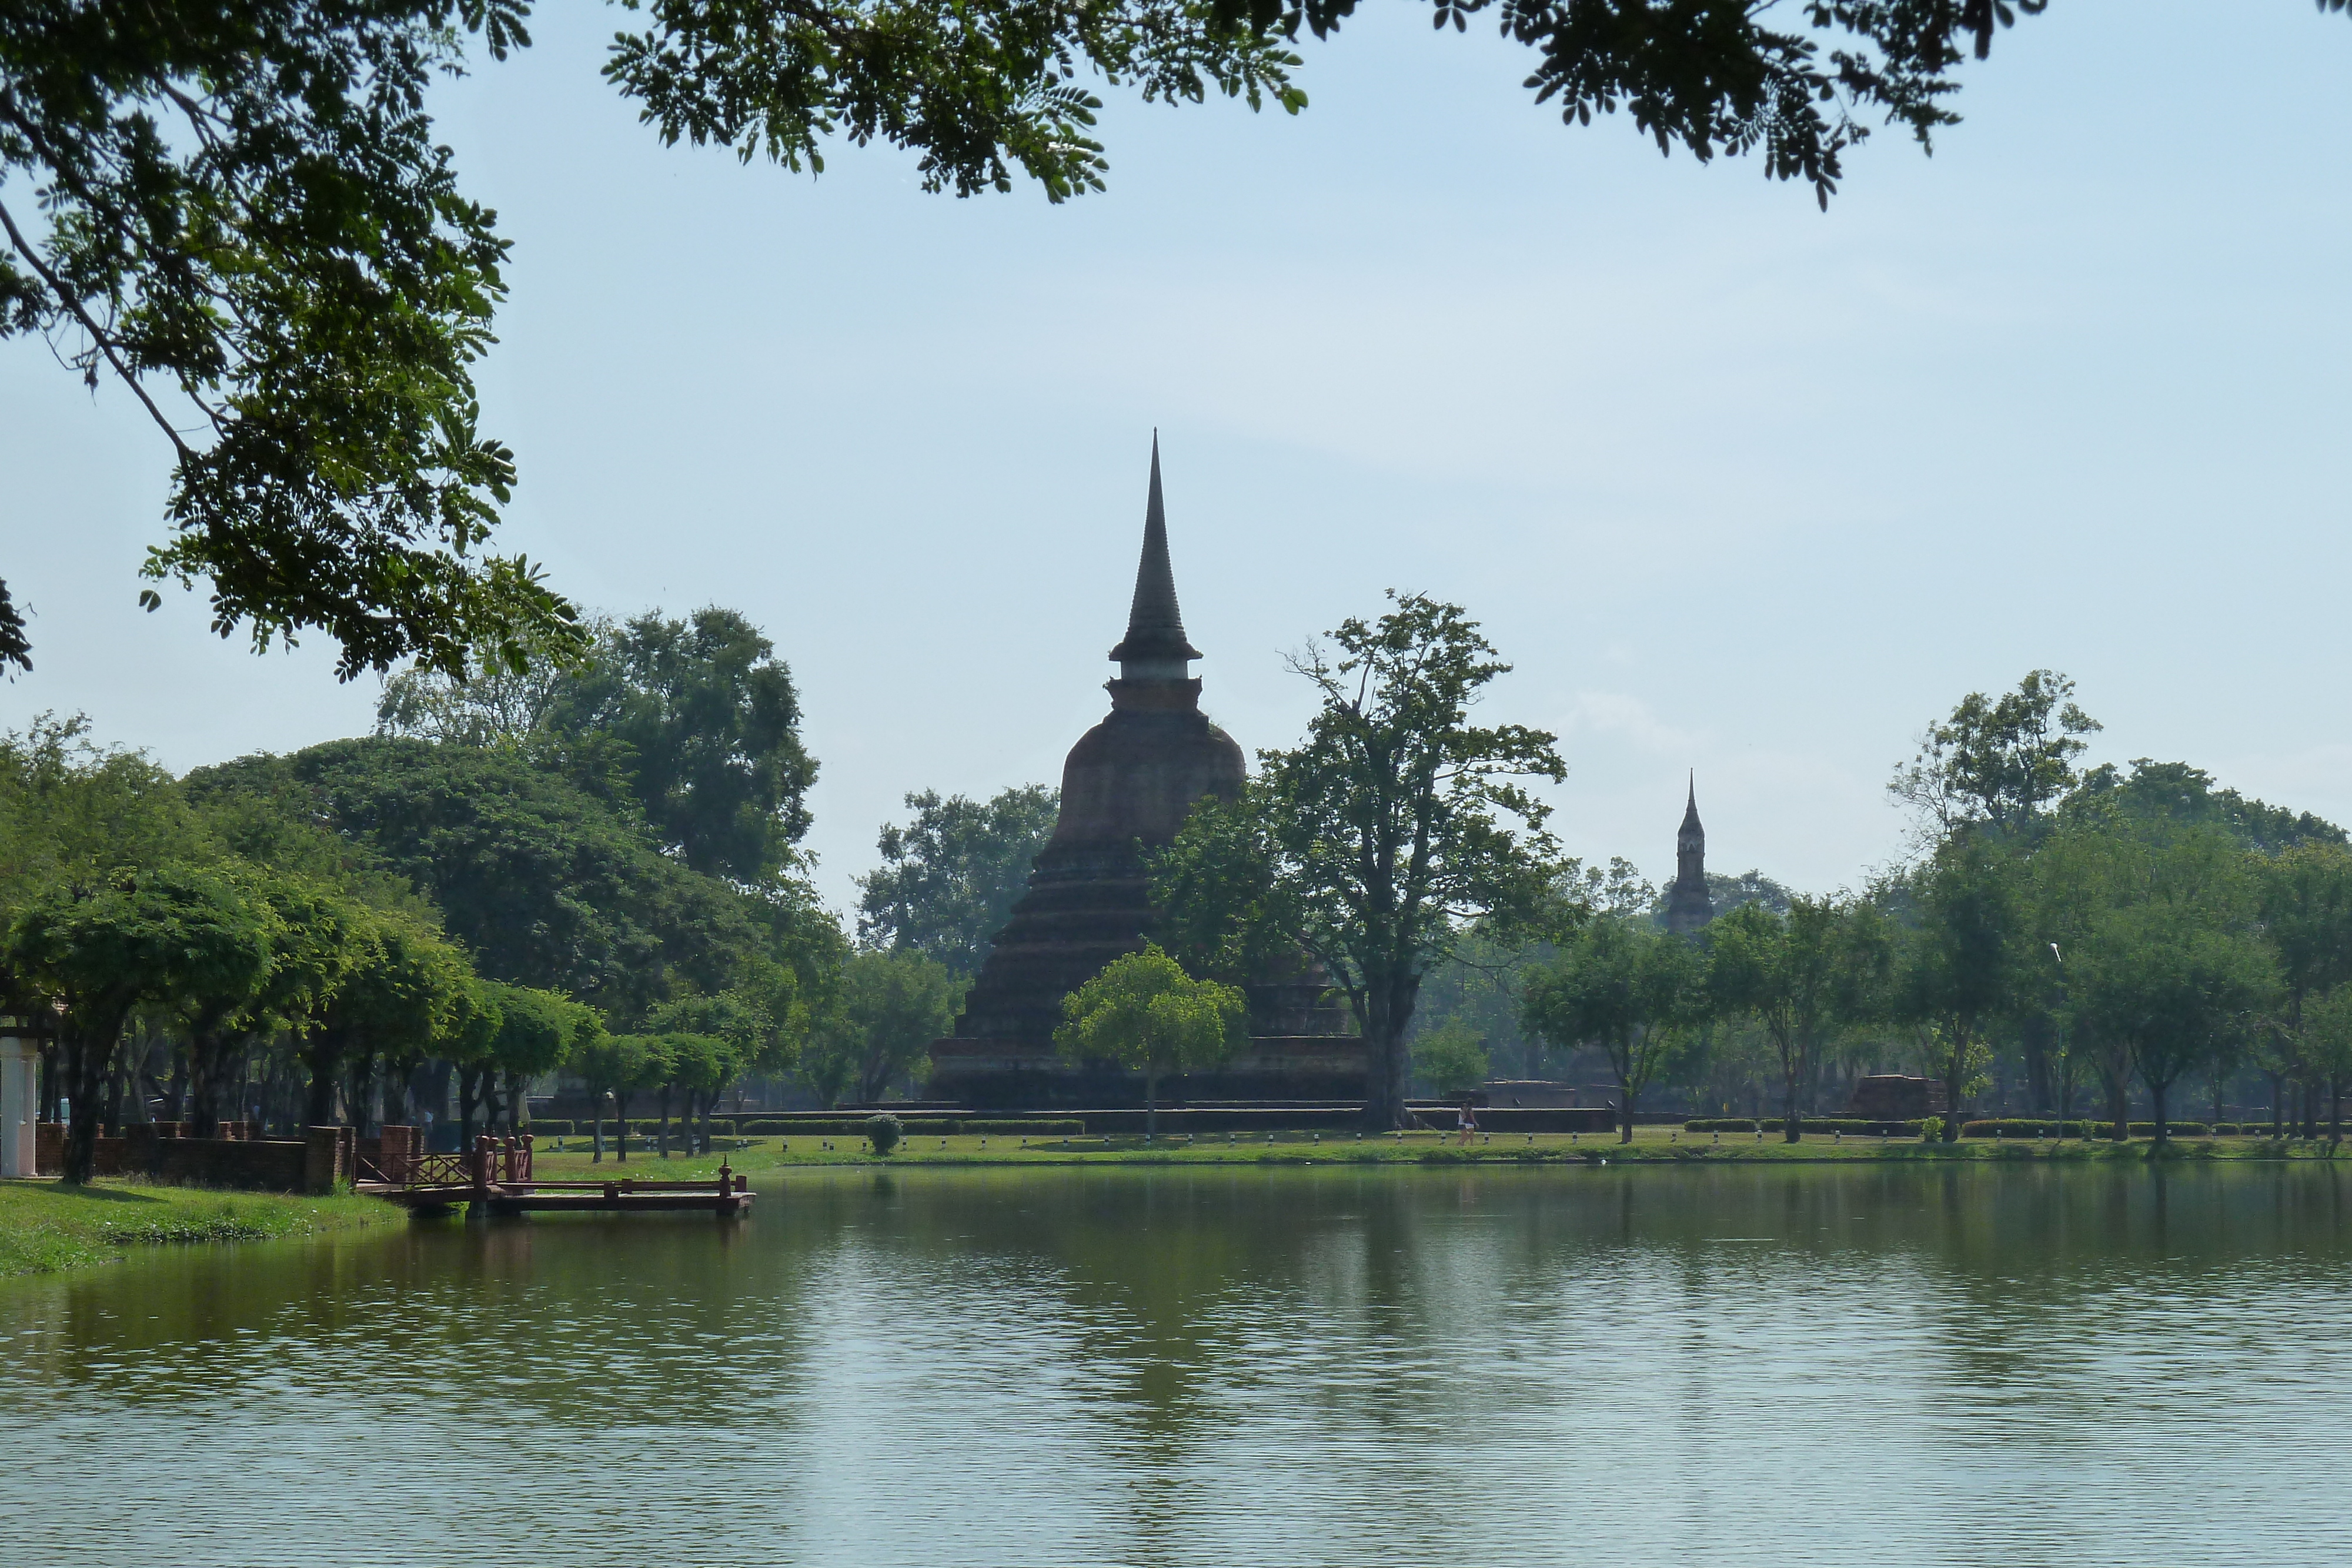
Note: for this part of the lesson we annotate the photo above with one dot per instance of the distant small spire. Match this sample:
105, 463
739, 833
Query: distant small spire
1690, 811
1154, 647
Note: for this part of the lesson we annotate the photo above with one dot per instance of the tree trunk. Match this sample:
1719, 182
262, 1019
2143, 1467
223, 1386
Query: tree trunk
2038, 1083
598, 1157
1954, 1065
470, 1094
2118, 1108
2335, 1110
207, 1056
661, 1148
2278, 1113
320, 1057
85, 1057
1625, 1108
621, 1125
1387, 1011
1150, 1103
2156, 1093
1793, 1122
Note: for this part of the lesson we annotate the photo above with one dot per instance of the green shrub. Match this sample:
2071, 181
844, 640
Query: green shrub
912, 1126
1931, 1129
1721, 1125
2177, 1129
884, 1132
550, 1129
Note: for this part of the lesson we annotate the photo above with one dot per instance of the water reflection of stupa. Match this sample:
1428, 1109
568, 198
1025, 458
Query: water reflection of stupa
1129, 785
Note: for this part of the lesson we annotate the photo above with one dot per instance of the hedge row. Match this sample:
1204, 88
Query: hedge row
644, 1127
919, 1127
2027, 1128
1805, 1124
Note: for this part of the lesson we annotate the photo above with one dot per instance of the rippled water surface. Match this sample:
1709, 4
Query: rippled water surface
1827, 1365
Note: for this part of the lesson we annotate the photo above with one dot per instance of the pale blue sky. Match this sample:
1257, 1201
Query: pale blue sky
1736, 485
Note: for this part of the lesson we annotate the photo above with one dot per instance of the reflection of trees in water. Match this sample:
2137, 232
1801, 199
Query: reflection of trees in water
1424, 1331
579, 1324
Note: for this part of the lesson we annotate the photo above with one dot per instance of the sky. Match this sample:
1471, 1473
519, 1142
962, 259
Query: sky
1737, 485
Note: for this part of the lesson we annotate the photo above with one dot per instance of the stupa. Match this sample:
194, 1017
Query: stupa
1688, 906
1126, 786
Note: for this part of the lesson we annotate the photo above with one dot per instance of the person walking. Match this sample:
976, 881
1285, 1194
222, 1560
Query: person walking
1466, 1121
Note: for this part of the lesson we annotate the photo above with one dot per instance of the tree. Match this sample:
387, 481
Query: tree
887, 1008
1145, 1014
703, 1065
697, 721
307, 954
2178, 795
1954, 975
1380, 841
1707, 75
408, 990
1799, 975
534, 1032
749, 1037
2169, 969
619, 1065
251, 228
712, 722
2171, 985
1997, 761
545, 884
949, 878
1450, 1060
1626, 987
94, 952
497, 705
2304, 902
251, 223
2327, 1048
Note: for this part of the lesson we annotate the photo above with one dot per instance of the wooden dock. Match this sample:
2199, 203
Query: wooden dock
495, 1177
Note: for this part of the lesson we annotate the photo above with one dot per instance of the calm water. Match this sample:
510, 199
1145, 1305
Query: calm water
1816, 1366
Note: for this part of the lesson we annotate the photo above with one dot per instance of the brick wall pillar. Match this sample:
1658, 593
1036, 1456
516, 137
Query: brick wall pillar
399, 1146
323, 1159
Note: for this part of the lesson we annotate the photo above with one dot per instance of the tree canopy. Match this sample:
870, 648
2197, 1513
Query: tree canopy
1144, 1013
949, 878
1379, 843
886, 1010
240, 215
695, 721
546, 885
250, 227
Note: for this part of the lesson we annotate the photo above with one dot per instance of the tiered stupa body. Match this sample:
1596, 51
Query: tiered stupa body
1126, 786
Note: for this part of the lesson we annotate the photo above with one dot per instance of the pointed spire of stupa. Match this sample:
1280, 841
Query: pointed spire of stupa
1690, 811
1154, 648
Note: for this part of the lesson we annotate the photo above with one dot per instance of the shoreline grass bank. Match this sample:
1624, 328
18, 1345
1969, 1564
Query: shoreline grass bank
48, 1228
1651, 1146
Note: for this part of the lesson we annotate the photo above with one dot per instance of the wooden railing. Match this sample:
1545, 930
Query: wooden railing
492, 1162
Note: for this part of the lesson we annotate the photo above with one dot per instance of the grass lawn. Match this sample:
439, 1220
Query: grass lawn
1663, 1146
45, 1227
